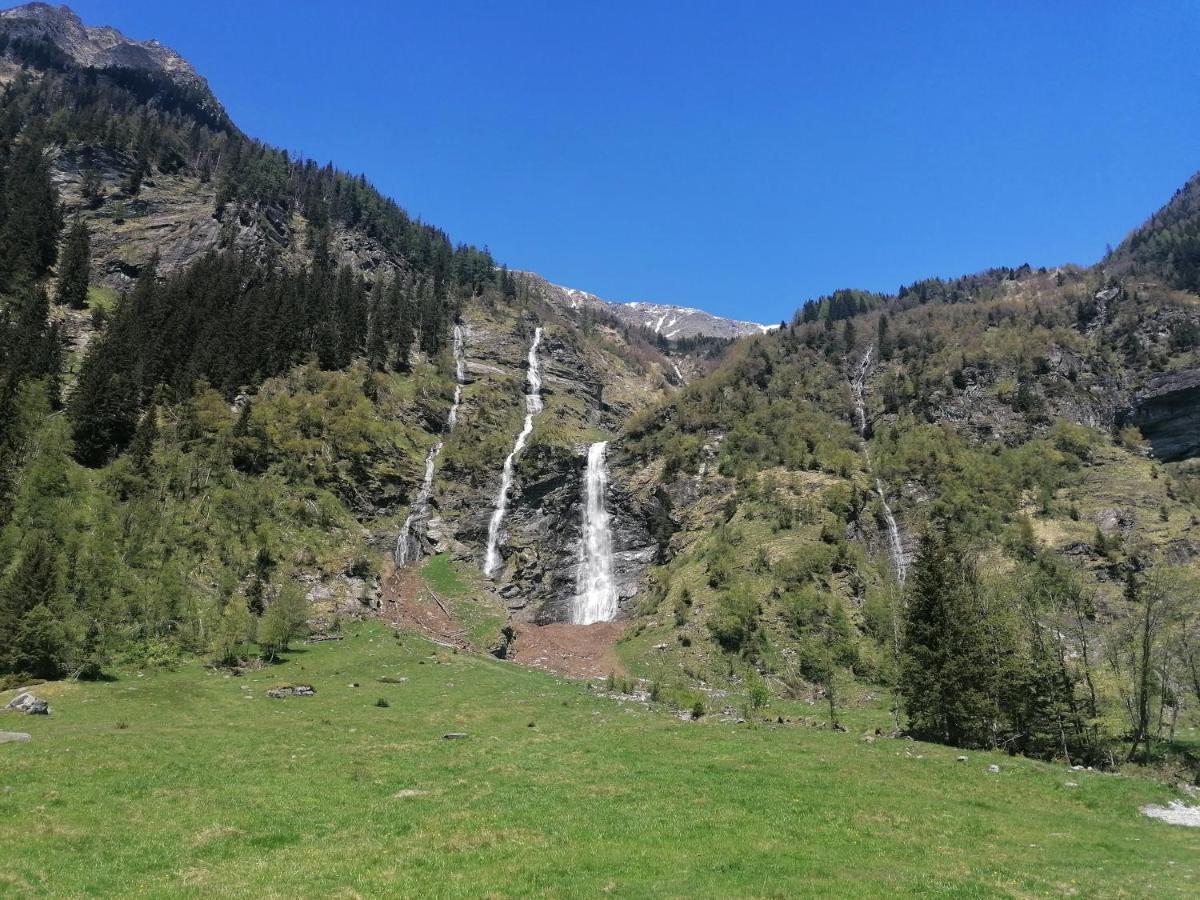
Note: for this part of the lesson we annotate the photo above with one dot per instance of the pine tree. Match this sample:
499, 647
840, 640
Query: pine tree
400, 308
31, 215
433, 323
31, 638
141, 448
73, 267
955, 650
886, 347
377, 330
34, 348
104, 406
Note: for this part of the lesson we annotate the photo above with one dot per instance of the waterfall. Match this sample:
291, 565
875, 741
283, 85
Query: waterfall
460, 375
533, 406
895, 544
858, 386
895, 547
595, 593
408, 547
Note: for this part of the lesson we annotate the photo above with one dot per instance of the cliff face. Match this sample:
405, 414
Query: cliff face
1167, 412
592, 383
96, 47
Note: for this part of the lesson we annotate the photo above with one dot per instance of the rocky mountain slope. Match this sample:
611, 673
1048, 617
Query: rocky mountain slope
95, 47
672, 322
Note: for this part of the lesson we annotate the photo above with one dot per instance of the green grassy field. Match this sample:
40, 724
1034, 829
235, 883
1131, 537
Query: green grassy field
193, 783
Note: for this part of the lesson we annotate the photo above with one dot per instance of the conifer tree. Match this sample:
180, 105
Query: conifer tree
400, 307
954, 652
73, 267
31, 215
377, 329
32, 640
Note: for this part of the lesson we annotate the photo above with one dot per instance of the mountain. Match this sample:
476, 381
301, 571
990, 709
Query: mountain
672, 322
99, 48
264, 392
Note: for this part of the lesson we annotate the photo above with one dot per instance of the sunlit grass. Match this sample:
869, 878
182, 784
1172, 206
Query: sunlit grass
211, 789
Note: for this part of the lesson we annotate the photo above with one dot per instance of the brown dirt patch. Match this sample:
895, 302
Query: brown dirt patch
578, 651
407, 602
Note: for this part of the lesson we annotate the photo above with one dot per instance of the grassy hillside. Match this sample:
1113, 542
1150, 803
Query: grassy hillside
193, 783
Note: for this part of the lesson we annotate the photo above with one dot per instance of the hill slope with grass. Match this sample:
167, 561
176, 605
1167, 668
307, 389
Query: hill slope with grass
194, 782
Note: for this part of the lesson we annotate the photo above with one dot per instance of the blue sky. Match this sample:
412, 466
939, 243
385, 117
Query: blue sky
740, 157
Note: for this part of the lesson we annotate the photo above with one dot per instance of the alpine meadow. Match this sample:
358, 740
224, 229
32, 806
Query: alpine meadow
339, 558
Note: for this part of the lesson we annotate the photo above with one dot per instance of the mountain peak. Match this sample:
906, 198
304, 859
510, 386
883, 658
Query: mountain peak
99, 47
669, 320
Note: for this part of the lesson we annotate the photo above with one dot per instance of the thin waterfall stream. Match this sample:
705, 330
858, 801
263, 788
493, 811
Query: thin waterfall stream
408, 545
895, 544
595, 591
533, 406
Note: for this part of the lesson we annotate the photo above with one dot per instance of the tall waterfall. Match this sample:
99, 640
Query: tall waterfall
533, 406
595, 592
895, 544
408, 547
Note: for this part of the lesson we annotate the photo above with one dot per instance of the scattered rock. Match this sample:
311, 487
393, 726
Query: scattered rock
994, 769
13, 737
961, 759
660, 646
1174, 813
409, 792
868, 738
1071, 784
454, 736
29, 704
291, 690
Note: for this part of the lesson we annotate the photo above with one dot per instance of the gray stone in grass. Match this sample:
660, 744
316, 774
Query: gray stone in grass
291, 690
994, 769
13, 737
961, 759
29, 704
454, 736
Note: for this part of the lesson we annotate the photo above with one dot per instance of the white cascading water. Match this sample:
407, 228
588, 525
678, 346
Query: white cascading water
407, 545
895, 544
595, 592
533, 406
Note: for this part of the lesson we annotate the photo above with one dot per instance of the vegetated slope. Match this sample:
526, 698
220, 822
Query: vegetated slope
1000, 427
195, 782
244, 366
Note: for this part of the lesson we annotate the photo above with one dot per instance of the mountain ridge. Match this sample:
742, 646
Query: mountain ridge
671, 321
98, 47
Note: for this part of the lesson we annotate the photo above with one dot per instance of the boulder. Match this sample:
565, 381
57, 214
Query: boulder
13, 737
291, 690
29, 704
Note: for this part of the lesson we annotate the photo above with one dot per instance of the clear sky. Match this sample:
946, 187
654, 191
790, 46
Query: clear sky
740, 157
